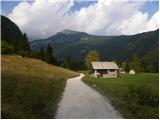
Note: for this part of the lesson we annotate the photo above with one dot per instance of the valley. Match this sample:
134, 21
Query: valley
35, 72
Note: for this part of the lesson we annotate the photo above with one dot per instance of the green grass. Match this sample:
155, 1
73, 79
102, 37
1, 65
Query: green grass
83, 71
134, 96
31, 88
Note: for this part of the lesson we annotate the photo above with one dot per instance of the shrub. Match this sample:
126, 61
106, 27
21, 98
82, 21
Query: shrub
6, 48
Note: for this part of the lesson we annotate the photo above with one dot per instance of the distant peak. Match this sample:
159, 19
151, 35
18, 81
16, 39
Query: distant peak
67, 31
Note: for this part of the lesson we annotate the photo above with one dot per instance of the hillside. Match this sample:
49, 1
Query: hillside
10, 31
12, 39
121, 48
31, 88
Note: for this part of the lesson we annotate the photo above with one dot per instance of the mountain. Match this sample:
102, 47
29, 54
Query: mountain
13, 40
66, 31
63, 40
9, 30
77, 44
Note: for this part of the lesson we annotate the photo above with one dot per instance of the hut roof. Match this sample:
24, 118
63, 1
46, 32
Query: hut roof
104, 65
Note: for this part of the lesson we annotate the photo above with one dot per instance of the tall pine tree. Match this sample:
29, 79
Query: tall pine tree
49, 55
41, 54
24, 45
24, 48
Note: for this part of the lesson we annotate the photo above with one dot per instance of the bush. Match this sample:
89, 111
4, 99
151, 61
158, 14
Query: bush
23, 53
6, 48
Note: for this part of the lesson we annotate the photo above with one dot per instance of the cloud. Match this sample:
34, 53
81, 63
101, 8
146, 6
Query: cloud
137, 23
43, 18
153, 23
134, 24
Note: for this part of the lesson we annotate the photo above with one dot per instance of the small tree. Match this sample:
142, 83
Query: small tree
91, 56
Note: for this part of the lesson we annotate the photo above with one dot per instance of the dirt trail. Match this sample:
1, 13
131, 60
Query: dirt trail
81, 101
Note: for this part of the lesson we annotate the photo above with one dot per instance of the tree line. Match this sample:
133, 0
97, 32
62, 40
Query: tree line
132, 63
17, 47
47, 55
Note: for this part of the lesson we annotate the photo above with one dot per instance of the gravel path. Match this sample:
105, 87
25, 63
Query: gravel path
80, 101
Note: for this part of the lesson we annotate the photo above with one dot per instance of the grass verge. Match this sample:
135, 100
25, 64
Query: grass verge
134, 96
31, 88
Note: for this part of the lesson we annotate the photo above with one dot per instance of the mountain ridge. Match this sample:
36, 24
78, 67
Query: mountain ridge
111, 48
66, 31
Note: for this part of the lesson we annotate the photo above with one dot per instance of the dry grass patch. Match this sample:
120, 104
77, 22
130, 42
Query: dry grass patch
31, 88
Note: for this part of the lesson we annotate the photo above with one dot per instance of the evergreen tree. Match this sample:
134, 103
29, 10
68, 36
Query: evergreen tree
24, 44
70, 64
41, 54
63, 65
24, 48
49, 55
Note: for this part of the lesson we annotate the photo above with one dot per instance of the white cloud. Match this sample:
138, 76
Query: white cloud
41, 18
134, 24
137, 23
153, 23
44, 18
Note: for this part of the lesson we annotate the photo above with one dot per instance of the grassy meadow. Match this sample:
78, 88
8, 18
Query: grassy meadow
134, 96
31, 88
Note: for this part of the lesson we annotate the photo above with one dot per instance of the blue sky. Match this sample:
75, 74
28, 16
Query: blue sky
99, 17
8, 6
151, 7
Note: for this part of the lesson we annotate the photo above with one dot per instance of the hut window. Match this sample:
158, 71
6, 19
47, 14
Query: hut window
112, 70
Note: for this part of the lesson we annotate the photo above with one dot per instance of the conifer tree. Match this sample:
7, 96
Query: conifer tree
49, 55
41, 54
70, 64
24, 44
24, 48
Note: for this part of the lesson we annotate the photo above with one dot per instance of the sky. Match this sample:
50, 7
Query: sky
43, 18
